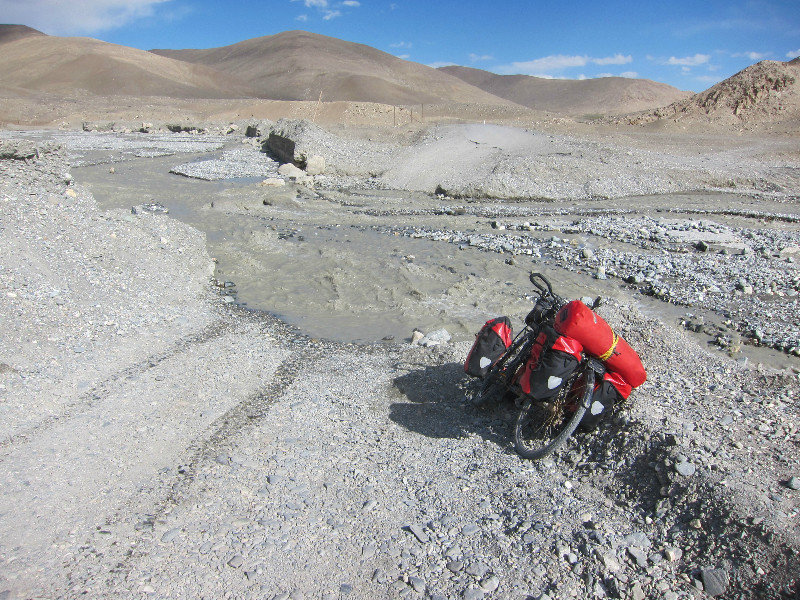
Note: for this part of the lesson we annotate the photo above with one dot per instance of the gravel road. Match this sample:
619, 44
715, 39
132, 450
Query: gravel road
159, 441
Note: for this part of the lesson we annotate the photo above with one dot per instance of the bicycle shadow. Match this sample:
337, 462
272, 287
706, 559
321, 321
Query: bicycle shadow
438, 406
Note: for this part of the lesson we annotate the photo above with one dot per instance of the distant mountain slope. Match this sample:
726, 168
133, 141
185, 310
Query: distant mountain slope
762, 95
12, 33
42, 63
606, 95
297, 65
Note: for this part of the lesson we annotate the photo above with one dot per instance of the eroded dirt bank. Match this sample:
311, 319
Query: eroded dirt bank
161, 442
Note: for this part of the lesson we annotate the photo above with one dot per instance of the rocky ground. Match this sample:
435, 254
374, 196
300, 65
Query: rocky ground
161, 441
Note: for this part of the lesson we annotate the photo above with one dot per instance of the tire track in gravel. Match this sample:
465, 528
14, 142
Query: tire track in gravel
64, 486
88, 398
157, 502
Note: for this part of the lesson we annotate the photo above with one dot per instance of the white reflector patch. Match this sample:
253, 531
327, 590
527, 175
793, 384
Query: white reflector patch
553, 382
485, 362
597, 408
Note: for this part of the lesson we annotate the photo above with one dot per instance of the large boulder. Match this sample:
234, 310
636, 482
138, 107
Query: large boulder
315, 165
295, 174
18, 149
279, 147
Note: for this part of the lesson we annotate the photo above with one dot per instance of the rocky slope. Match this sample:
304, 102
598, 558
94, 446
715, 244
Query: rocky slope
764, 95
604, 95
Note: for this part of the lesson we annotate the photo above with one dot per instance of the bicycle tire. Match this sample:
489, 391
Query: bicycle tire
545, 438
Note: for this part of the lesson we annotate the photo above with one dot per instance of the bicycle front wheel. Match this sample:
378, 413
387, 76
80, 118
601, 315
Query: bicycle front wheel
543, 426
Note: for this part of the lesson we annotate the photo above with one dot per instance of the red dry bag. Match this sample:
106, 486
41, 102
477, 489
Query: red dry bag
576, 320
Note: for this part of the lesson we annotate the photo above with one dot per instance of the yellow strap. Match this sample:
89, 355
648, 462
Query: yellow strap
607, 354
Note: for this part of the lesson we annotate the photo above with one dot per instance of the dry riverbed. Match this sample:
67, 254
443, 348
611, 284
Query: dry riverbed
161, 438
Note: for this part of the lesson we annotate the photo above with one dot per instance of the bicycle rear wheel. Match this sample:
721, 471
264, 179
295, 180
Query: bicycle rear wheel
544, 425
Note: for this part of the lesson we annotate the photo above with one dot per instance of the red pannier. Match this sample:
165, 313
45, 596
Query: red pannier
552, 360
578, 321
491, 342
608, 392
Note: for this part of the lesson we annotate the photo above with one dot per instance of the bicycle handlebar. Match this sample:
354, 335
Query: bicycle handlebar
535, 277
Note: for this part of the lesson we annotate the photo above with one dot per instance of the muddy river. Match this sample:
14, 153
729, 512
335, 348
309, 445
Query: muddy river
333, 263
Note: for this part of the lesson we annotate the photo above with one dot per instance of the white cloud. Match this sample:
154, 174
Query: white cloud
751, 55
627, 74
617, 59
401, 45
324, 7
689, 61
302, 18
77, 16
793, 53
480, 57
559, 62
404, 56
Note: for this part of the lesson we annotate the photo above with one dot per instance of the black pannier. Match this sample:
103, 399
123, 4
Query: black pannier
551, 365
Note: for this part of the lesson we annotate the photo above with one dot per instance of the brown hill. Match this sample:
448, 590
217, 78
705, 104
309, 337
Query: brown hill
12, 33
604, 95
762, 96
41, 63
297, 65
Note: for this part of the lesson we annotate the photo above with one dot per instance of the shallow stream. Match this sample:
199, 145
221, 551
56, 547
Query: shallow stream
318, 261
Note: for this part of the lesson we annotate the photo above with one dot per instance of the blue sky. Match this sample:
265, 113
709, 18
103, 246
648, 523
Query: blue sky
688, 44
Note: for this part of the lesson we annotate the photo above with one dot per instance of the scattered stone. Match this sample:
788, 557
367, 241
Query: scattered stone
455, 565
435, 338
685, 468
417, 583
794, 483
636, 592
673, 554
236, 562
170, 535
418, 533
473, 594
715, 581
639, 556
273, 182
478, 569
611, 563
490, 584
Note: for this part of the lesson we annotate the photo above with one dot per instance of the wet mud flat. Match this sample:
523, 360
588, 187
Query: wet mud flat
333, 468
